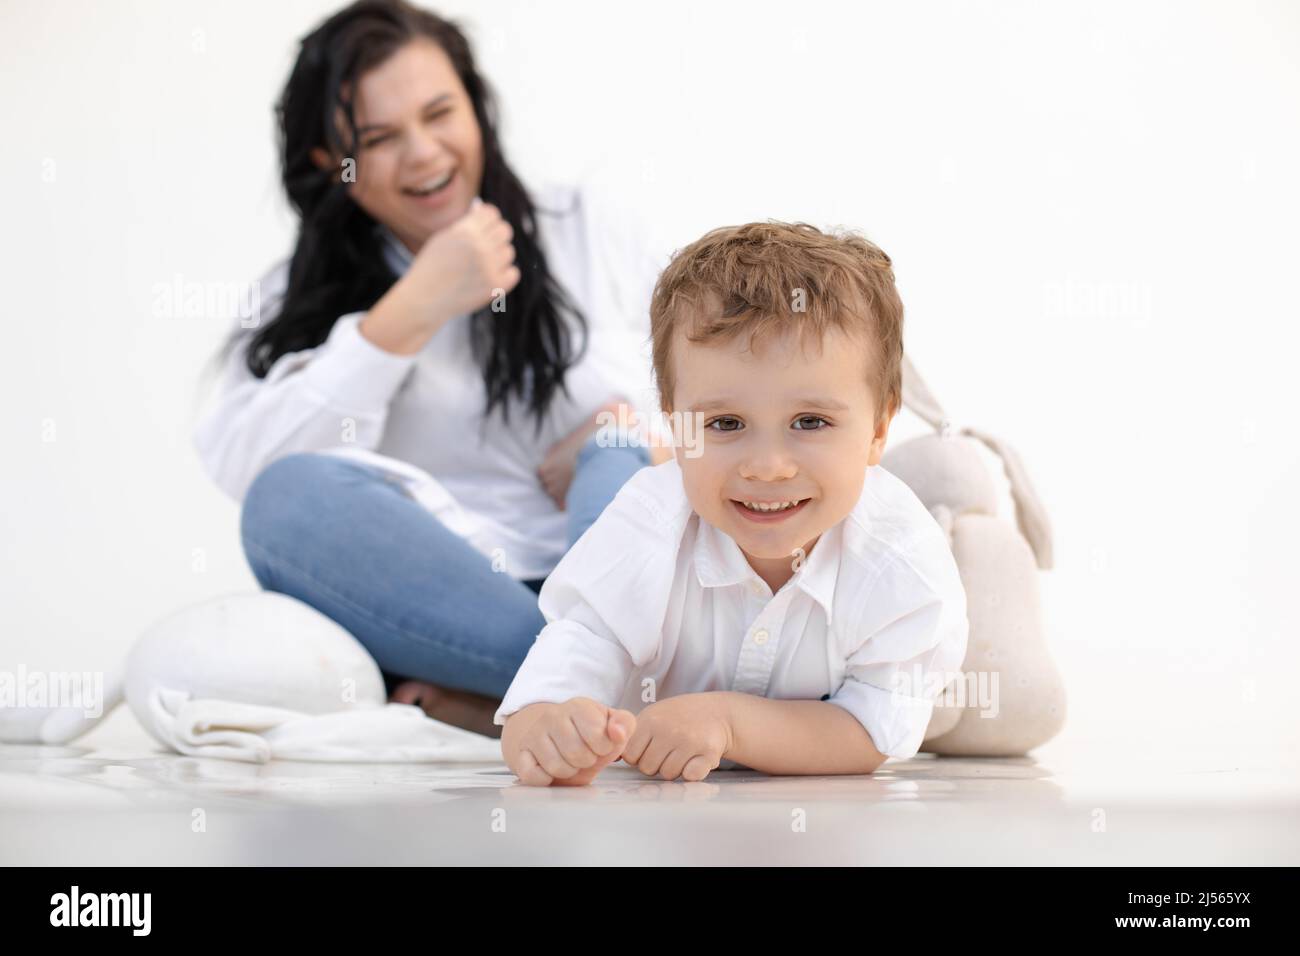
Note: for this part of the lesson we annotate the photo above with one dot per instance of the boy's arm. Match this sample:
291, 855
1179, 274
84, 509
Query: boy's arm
797, 737
603, 604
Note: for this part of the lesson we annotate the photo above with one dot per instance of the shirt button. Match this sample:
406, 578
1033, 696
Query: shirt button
756, 587
761, 636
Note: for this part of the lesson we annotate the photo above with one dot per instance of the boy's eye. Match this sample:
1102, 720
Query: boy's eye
729, 423
377, 140
811, 418
439, 114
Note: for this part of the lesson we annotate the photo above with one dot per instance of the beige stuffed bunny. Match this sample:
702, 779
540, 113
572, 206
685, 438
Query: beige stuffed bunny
1007, 656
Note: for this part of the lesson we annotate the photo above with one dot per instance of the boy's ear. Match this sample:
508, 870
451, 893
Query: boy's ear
878, 440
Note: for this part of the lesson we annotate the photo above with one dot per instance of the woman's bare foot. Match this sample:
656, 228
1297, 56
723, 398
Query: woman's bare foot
460, 708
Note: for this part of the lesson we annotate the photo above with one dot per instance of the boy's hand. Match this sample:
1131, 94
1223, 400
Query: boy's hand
564, 744
684, 736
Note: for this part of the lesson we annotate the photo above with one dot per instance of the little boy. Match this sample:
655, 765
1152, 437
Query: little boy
770, 598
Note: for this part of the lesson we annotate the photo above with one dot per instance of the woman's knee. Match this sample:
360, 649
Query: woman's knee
285, 492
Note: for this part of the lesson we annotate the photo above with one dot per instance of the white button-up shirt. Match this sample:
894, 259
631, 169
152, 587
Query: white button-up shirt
420, 417
653, 601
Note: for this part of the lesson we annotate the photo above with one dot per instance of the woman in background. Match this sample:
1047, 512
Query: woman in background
431, 313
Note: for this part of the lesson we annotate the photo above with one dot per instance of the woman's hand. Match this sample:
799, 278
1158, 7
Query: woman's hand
557, 468
458, 270
462, 268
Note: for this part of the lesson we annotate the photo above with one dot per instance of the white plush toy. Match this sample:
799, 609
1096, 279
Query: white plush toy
1007, 655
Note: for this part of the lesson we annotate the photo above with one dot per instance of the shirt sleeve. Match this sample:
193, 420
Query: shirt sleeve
604, 605
909, 642
336, 393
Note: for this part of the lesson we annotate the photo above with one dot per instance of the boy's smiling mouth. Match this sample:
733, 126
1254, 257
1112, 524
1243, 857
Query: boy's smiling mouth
768, 512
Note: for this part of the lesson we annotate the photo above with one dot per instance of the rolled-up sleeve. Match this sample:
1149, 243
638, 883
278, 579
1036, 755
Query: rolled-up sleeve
604, 604
568, 660
910, 645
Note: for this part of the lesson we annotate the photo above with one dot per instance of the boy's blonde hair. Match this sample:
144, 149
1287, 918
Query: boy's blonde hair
769, 277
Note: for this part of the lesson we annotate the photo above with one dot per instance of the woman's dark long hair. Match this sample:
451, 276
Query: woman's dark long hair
338, 266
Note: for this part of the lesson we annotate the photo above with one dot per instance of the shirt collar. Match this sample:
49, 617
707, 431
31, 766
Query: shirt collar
720, 562
396, 254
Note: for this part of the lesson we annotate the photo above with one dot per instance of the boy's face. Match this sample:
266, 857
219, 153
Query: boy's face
783, 424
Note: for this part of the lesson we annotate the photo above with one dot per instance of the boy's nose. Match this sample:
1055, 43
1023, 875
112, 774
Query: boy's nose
773, 464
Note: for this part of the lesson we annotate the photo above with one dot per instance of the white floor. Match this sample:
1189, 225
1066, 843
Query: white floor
117, 798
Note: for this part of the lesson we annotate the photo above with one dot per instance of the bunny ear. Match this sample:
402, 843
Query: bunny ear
1030, 514
918, 397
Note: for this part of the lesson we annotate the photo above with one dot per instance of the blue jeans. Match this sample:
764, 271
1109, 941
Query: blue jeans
340, 537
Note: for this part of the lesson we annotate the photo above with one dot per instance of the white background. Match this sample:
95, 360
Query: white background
1093, 209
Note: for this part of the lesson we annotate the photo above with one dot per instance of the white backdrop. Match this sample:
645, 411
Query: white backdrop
1093, 210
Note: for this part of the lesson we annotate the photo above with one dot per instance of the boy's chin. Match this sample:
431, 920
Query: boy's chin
776, 542
767, 554
770, 544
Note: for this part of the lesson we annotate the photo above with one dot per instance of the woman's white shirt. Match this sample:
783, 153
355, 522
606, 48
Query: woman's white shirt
427, 409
